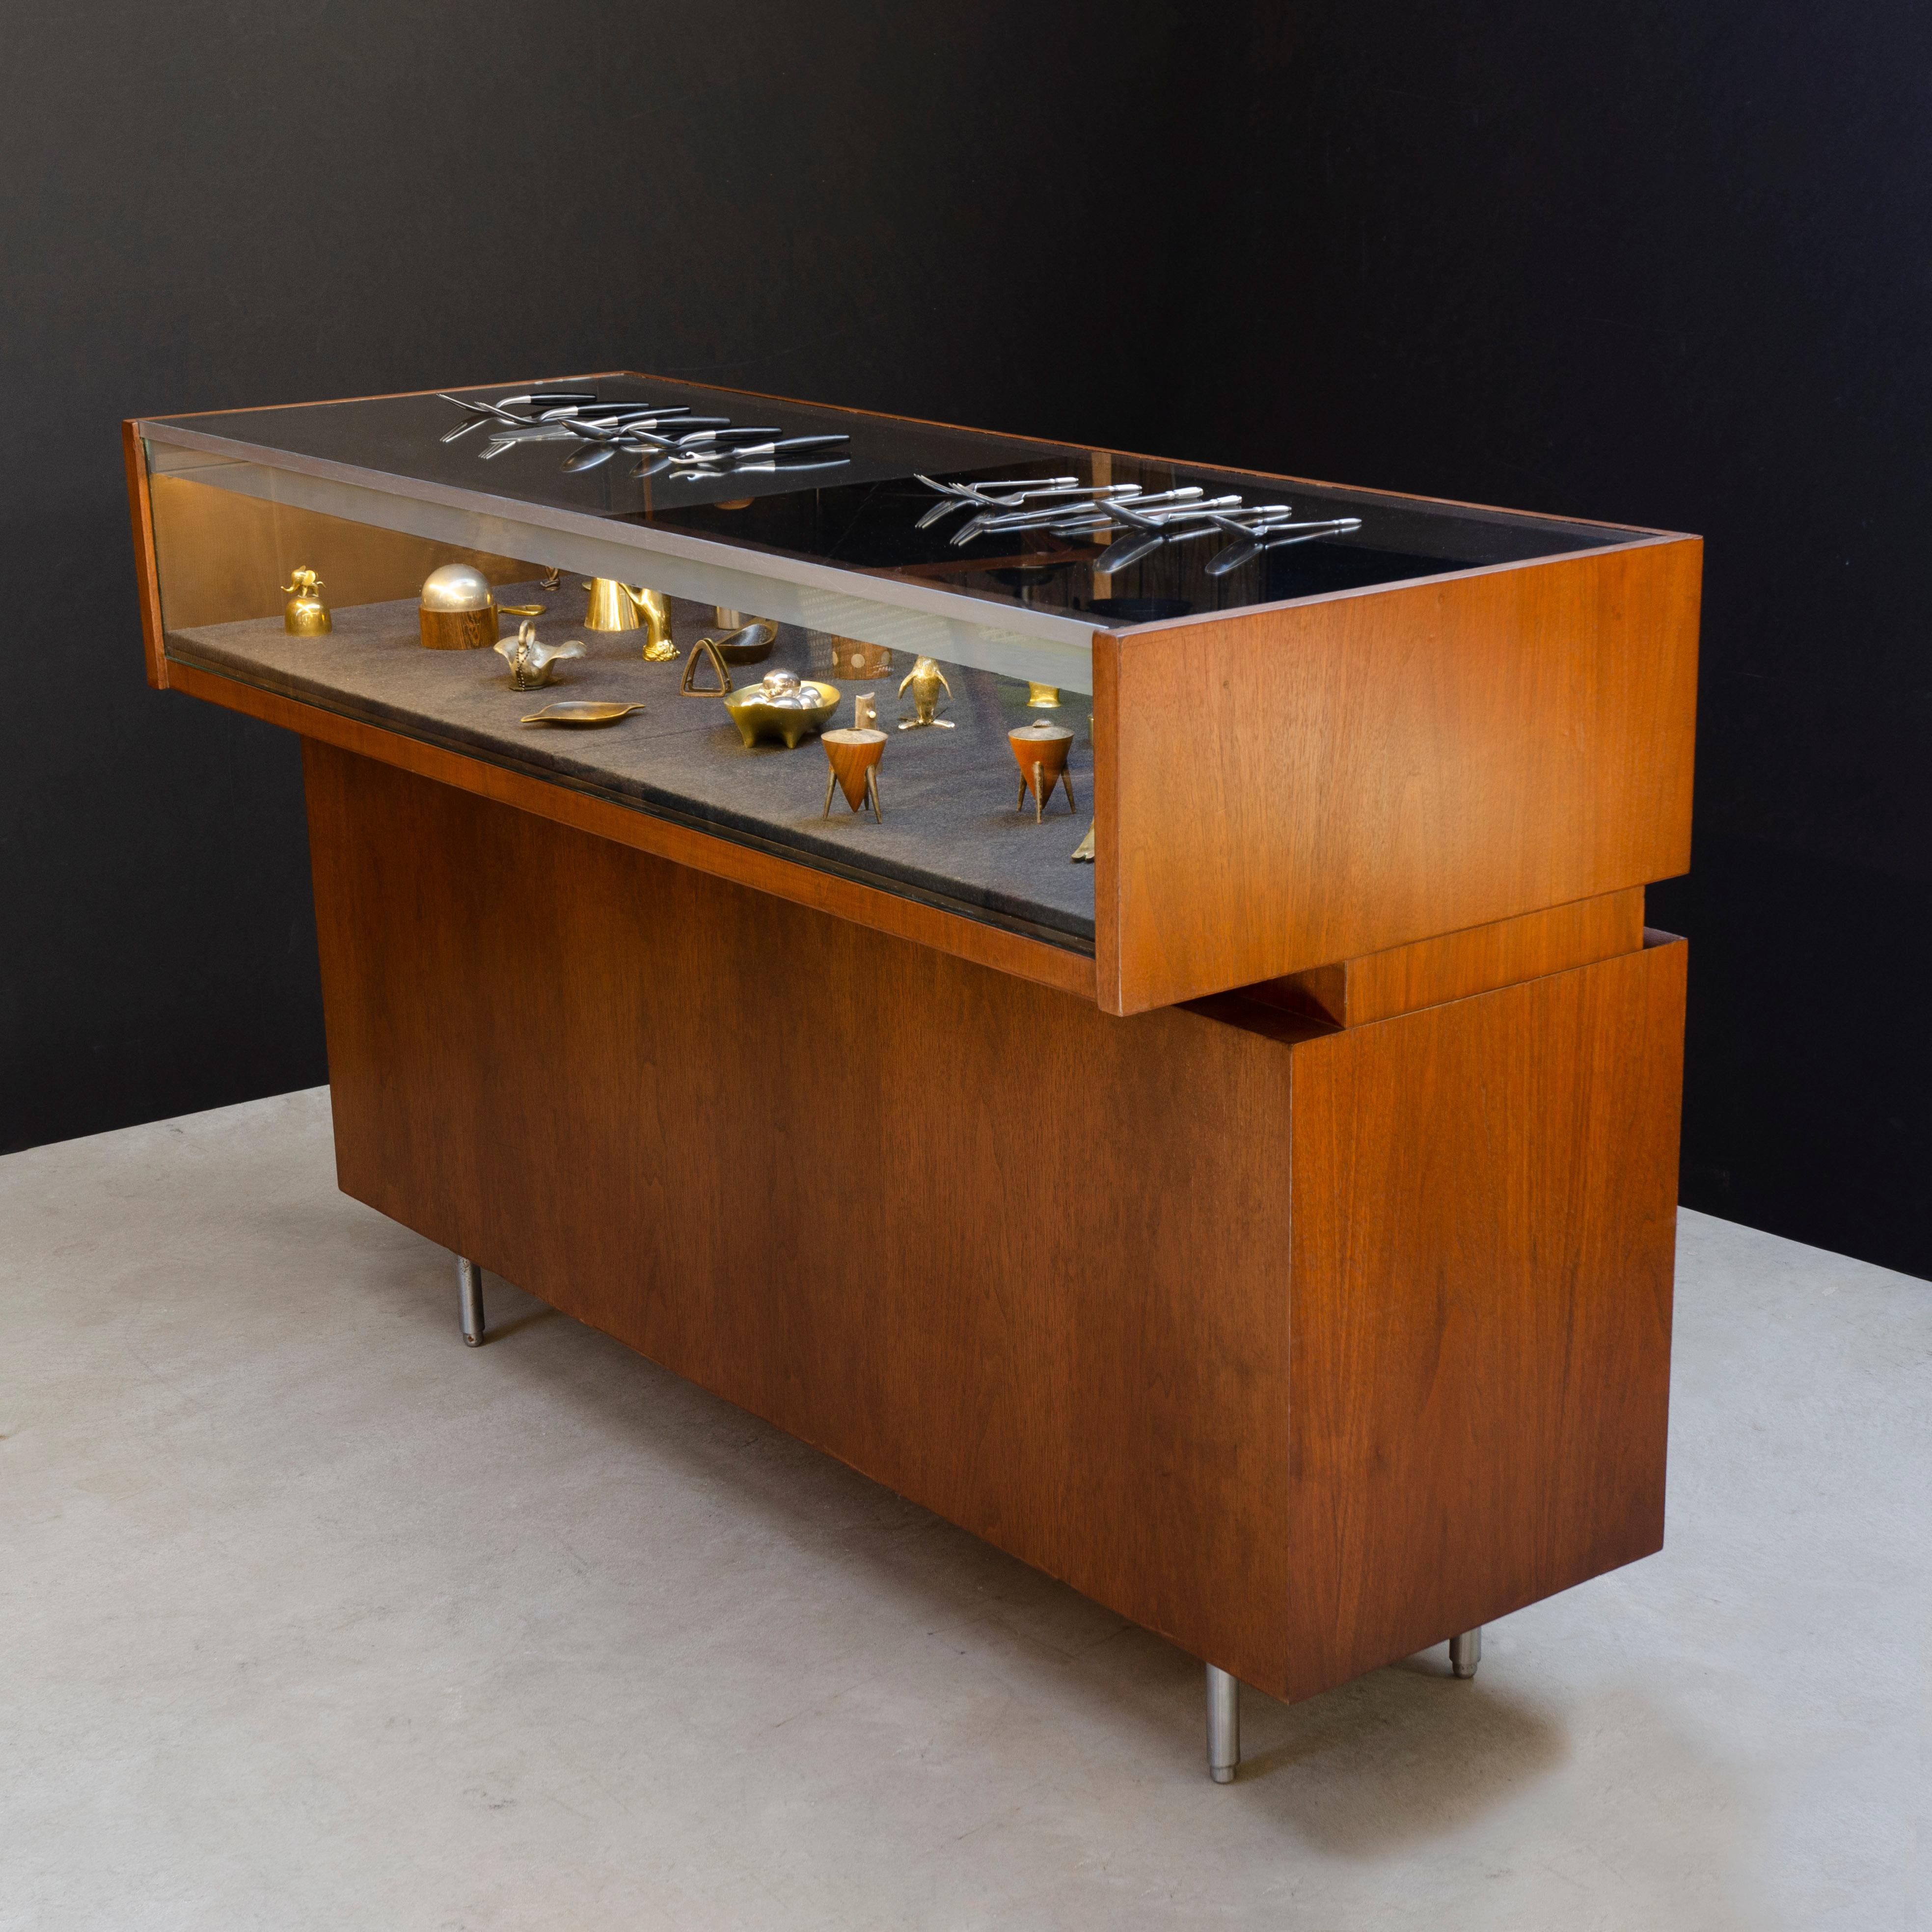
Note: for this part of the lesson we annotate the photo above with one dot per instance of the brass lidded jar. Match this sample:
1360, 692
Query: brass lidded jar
458, 612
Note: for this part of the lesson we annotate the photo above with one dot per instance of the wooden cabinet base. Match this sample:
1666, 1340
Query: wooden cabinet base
1306, 1347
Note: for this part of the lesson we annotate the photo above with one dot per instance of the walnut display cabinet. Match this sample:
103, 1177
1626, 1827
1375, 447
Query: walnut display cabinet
1264, 1225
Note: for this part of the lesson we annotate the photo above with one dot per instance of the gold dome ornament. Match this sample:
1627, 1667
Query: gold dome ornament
630, 606
1041, 697
305, 615
928, 681
458, 611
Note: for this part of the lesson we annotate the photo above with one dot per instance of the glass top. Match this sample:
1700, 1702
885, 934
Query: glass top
1104, 540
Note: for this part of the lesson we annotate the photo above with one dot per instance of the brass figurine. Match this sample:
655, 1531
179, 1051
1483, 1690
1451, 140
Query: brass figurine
853, 756
305, 615
1040, 750
1083, 852
630, 606
532, 664
458, 611
781, 706
928, 681
1042, 697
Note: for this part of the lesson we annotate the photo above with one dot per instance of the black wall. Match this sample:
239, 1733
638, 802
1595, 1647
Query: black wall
1665, 266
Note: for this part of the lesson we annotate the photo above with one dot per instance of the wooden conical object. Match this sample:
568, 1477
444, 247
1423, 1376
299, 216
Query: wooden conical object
1040, 750
853, 754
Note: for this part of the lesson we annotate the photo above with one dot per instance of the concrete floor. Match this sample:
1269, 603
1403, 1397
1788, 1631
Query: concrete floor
311, 1618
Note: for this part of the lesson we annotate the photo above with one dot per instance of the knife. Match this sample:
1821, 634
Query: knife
1231, 558
719, 452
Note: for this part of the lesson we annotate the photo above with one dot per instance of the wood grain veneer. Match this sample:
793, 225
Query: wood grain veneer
1485, 1214
146, 581
621, 1083
1320, 781
1353, 992
1303, 1347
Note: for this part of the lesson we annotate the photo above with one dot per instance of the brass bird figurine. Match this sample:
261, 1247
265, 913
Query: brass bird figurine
928, 681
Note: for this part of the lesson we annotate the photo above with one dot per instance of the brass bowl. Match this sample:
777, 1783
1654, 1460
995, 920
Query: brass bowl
757, 717
750, 643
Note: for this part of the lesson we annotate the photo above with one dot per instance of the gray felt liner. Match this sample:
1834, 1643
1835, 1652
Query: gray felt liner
950, 830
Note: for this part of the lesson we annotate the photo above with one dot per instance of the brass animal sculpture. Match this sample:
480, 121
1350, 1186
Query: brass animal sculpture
928, 681
305, 615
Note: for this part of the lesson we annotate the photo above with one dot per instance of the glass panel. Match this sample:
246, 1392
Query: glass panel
836, 535
952, 826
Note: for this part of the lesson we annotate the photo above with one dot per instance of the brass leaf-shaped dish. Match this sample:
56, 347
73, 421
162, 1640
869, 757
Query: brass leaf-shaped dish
580, 711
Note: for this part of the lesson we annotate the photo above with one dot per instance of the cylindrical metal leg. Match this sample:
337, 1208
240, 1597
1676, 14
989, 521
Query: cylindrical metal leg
469, 1293
1224, 1725
1465, 1652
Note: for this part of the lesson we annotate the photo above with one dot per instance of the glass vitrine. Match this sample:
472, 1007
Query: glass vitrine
954, 584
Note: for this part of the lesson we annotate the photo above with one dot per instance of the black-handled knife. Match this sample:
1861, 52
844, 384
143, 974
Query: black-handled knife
742, 452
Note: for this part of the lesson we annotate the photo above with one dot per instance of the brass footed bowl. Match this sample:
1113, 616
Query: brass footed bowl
756, 717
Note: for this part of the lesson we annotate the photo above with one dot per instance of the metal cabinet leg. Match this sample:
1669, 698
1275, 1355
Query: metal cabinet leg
469, 1293
1224, 1725
1465, 1652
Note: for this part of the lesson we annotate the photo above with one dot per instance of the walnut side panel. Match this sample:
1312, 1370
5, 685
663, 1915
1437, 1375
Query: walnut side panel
1041, 1313
146, 581
1332, 779
1354, 992
1485, 1223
